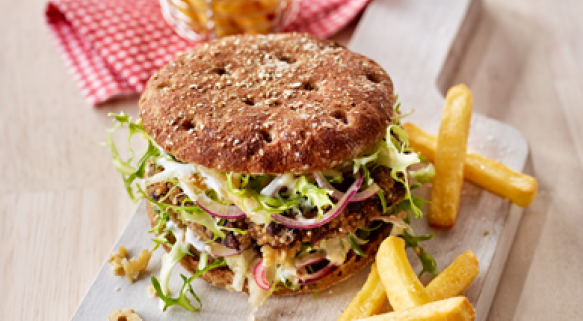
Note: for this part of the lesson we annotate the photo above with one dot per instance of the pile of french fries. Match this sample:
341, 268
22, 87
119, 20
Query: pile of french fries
448, 151
392, 278
232, 17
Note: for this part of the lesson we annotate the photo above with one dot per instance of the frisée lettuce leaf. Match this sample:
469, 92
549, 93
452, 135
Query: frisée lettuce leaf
427, 261
398, 156
169, 260
360, 163
128, 171
424, 175
318, 197
160, 229
302, 194
355, 245
182, 299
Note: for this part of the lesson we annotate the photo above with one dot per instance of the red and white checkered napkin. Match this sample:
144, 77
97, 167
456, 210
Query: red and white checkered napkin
112, 47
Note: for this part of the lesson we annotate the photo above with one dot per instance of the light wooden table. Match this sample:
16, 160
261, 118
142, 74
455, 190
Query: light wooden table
62, 205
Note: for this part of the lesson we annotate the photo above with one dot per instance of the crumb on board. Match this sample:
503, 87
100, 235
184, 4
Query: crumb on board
124, 315
115, 260
486, 233
152, 291
131, 268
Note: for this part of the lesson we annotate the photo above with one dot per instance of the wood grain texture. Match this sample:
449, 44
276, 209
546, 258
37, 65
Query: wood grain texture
62, 205
525, 63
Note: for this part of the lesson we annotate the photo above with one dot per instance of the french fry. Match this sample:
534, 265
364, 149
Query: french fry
454, 309
369, 300
501, 180
489, 174
401, 284
451, 282
421, 141
450, 155
455, 278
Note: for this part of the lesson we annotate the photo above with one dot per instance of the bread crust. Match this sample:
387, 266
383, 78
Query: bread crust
268, 104
223, 276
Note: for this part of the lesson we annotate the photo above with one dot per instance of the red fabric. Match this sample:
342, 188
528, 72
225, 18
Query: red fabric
112, 47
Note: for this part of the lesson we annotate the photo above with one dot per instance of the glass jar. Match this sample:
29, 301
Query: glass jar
207, 19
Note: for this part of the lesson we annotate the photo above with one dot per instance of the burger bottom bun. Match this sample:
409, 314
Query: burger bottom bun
223, 276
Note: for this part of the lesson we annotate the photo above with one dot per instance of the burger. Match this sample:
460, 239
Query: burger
275, 164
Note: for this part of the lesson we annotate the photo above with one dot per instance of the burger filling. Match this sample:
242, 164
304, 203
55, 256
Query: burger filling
273, 231
353, 217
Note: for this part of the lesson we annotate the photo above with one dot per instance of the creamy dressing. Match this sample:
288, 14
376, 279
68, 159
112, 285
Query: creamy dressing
183, 172
213, 179
191, 238
287, 273
335, 249
171, 169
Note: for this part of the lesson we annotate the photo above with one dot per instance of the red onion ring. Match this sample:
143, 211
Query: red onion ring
359, 197
366, 194
259, 275
315, 277
328, 216
309, 259
219, 210
323, 183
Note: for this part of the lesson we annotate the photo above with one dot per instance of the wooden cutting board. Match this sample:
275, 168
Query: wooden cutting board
418, 42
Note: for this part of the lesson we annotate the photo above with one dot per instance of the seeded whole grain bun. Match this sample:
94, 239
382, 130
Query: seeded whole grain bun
268, 104
223, 276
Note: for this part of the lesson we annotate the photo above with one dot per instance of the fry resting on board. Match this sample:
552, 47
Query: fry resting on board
455, 279
489, 174
400, 281
449, 283
452, 142
369, 300
454, 309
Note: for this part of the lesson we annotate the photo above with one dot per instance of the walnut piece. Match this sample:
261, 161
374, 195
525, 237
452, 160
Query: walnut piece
115, 261
134, 266
130, 268
124, 315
